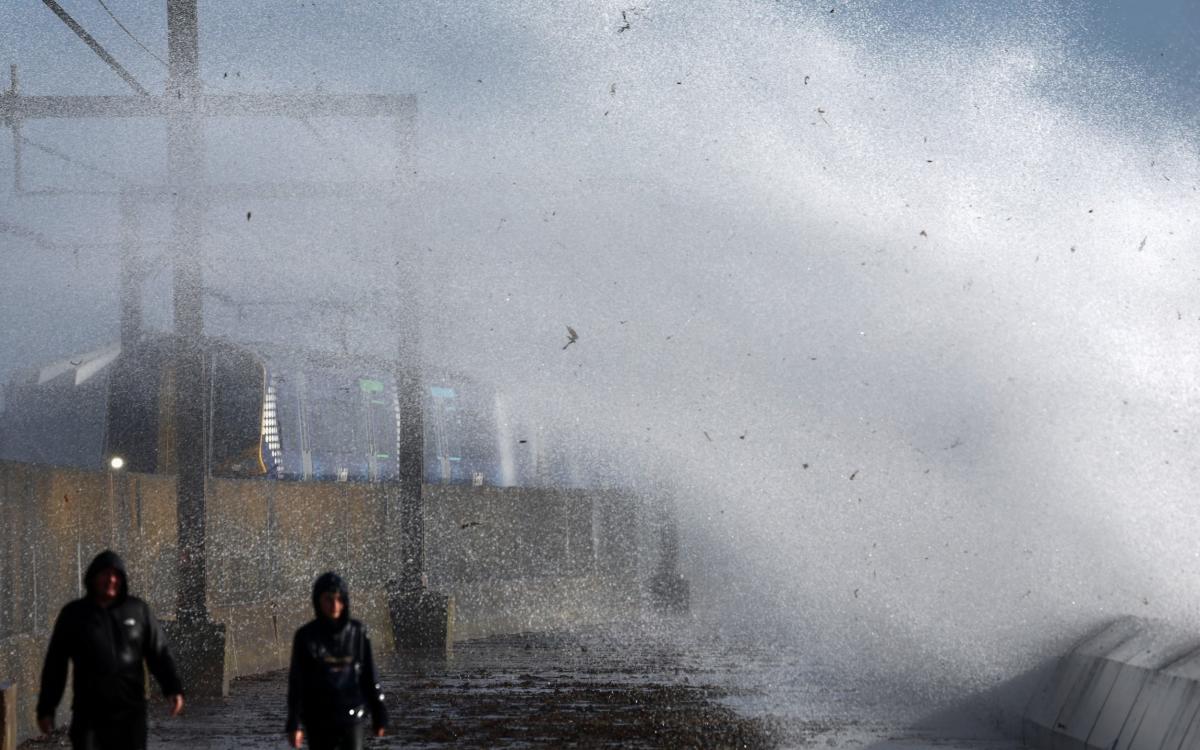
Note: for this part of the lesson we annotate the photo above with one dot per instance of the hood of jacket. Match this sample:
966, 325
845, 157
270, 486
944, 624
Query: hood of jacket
107, 559
331, 582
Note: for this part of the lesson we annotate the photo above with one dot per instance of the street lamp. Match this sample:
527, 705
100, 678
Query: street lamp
116, 463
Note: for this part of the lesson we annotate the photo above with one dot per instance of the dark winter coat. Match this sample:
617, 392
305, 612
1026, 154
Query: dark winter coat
107, 647
332, 682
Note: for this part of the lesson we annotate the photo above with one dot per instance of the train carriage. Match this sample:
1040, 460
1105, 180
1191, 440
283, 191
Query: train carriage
273, 413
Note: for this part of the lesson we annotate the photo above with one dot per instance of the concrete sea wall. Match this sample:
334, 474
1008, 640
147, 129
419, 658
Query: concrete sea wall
512, 559
1135, 685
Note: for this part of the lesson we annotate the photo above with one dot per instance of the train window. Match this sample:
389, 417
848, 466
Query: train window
379, 407
445, 424
272, 447
133, 410
291, 397
330, 410
236, 410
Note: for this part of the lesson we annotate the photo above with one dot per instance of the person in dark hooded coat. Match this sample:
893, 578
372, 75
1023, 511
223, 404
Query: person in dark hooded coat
107, 636
332, 683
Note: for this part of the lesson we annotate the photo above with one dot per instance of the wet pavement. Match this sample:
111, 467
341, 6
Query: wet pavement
595, 689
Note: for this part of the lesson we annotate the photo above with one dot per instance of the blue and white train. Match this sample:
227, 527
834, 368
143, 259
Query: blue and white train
277, 414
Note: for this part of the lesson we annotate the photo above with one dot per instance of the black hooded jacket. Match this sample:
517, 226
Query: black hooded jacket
332, 682
107, 646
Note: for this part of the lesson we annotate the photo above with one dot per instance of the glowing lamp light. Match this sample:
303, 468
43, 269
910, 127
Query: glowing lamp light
116, 463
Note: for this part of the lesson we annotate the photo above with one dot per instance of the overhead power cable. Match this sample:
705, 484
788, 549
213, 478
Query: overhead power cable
117, 21
37, 238
43, 242
99, 50
68, 159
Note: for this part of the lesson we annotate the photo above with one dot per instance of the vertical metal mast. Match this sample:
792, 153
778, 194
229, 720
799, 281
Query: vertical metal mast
185, 173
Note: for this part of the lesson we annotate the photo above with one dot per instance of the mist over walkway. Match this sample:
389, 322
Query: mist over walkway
592, 689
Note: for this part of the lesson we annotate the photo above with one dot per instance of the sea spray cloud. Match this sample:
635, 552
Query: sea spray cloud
959, 299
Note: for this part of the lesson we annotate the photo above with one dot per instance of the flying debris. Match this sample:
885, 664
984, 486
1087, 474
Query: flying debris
1142, 246
707, 435
572, 337
853, 474
247, 216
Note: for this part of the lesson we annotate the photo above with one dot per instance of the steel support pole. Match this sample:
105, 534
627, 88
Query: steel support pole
131, 274
411, 463
185, 170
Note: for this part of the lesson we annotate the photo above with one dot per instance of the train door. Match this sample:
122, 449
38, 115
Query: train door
444, 424
379, 410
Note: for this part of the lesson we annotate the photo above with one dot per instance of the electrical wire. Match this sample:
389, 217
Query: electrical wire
117, 21
77, 162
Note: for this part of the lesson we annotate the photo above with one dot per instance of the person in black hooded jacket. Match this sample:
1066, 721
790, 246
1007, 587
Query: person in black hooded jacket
107, 635
332, 682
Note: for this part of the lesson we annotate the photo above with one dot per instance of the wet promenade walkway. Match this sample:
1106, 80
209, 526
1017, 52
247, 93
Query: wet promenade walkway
589, 690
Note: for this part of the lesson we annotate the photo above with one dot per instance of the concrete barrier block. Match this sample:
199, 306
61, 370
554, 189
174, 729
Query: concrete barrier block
1187, 665
1072, 722
8, 715
1084, 706
670, 593
1115, 640
1164, 702
1152, 645
1128, 687
1185, 717
1115, 719
422, 620
1190, 737
253, 639
202, 655
24, 668
1047, 704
